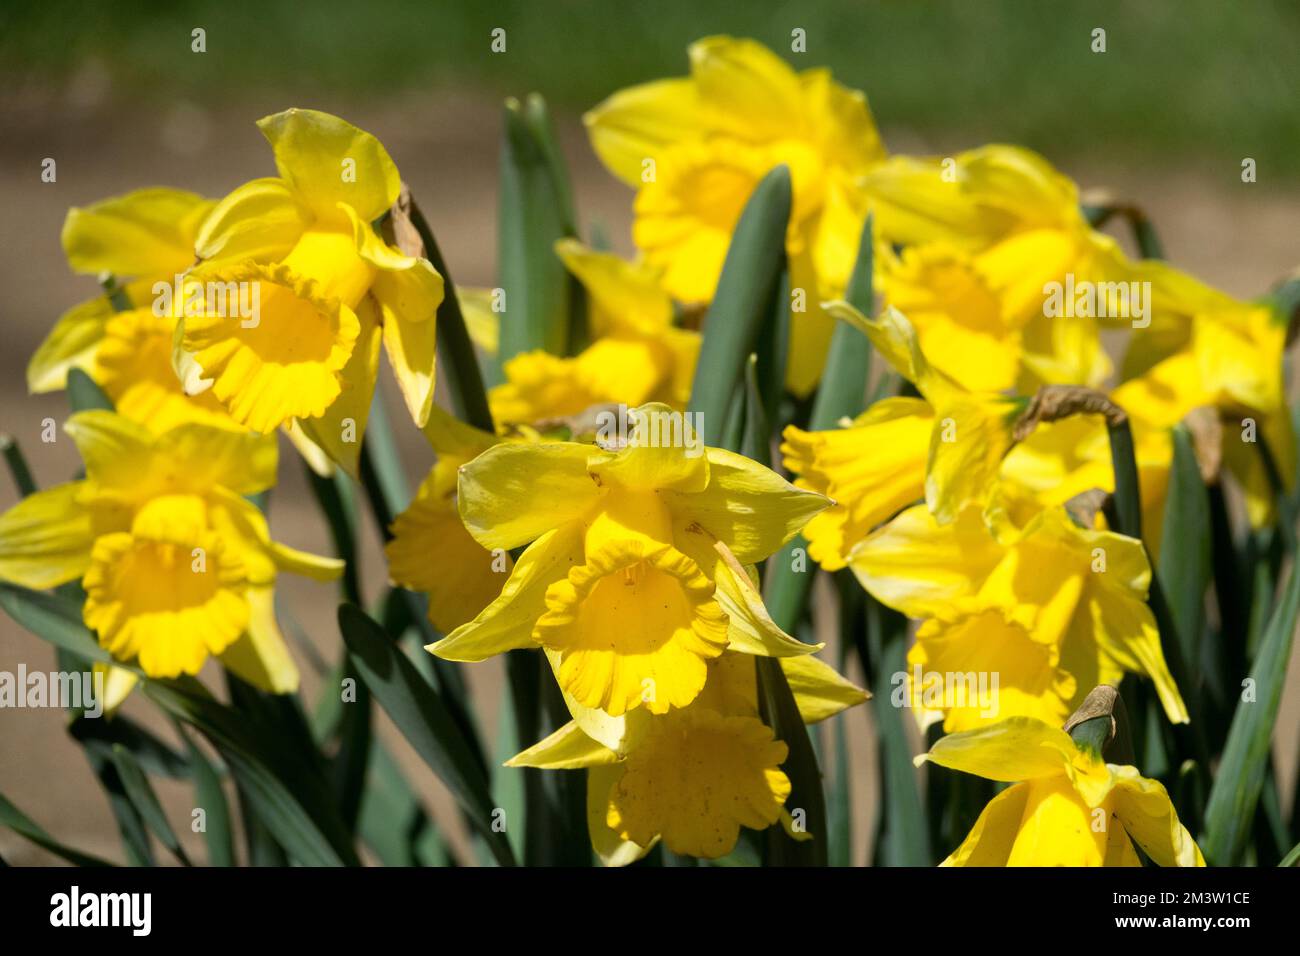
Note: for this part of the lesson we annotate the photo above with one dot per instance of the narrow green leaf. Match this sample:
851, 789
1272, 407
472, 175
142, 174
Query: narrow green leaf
423, 718
1185, 564
1244, 762
18, 470
211, 799
902, 827
750, 279
153, 754
24, 826
287, 794
806, 802
53, 618
532, 217
145, 801
456, 358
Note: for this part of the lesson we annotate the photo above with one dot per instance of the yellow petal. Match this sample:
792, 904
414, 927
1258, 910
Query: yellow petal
1018, 748
72, 343
1144, 808
994, 833
920, 567
751, 88
340, 430
566, 749
697, 780
432, 552
961, 659
507, 623
261, 656
635, 124
513, 493
749, 508
118, 684
623, 294
750, 629
819, 690
45, 539
1058, 828
149, 232
327, 161
612, 849
259, 220
872, 470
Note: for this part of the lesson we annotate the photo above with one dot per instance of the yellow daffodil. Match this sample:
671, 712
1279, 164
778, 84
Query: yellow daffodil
695, 148
945, 447
693, 776
328, 289
635, 577
988, 232
431, 550
1066, 806
176, 563
142, 239
638, 355
1052, 608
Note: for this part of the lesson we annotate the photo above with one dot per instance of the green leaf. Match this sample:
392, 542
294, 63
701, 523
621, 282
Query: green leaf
18, 470
1244, 762
53, 618
423, 718
211, 799
145, 801
1185, 563
457, 361
284, 789
393, 822
779, 711
84, 395
902, 828
153, 754
535, 211
750, 279
24, 826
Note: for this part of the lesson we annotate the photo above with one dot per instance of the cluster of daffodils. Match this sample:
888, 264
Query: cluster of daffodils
635, 568
223, 321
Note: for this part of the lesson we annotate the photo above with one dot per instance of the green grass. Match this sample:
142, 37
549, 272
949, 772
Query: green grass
1201, 80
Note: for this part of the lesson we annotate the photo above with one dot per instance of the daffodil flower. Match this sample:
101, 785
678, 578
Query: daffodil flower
431, 551
1066, 806
696, 147
693, 776
141, 239
945, 447
177, 565
986, 234
636, 575
1053, 608
638, 355
330, 288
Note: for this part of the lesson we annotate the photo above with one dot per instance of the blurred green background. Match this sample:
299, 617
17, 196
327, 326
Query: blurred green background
1209, 79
